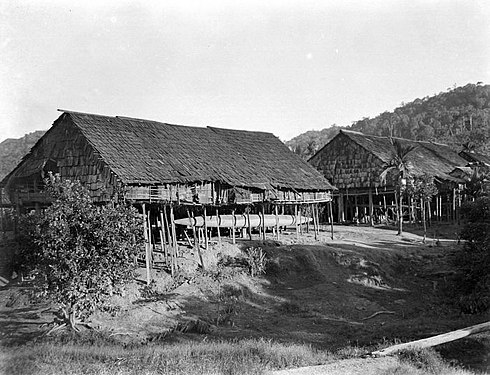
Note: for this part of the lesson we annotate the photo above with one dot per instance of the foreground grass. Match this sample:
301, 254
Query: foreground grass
100, 355
96, 356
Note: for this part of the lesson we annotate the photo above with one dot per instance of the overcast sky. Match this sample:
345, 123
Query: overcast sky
279, 66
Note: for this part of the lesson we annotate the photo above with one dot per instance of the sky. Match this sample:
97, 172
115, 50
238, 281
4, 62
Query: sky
284, 67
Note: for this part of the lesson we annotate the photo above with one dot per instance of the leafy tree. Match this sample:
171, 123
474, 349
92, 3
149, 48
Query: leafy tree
423, 188
400, 168
82, 251
473, 260
478, 182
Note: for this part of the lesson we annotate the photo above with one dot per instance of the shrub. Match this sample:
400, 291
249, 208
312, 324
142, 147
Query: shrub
424, 359
473, 260
83, 252
256, 260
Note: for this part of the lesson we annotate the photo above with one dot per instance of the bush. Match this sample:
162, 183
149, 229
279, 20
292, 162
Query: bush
256, 261
473, 260
425, 359
83, 252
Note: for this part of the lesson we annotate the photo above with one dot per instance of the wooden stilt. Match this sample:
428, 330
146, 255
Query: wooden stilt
356, 209
437, 208
341, 208
162, 238
276, 209
313, 214
429, 213
150, 238
233, 241
263, 221
453, 206
218, 221
297, 220
307, 208
249, 224
174, 239
300, 226
170, 240
206, 244
371, 208
147, 247
331, 219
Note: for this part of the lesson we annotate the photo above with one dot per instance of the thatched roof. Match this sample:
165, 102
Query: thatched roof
431, 158
475, 157
148, 152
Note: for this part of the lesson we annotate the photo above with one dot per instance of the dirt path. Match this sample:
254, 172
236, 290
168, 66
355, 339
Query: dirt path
355, 366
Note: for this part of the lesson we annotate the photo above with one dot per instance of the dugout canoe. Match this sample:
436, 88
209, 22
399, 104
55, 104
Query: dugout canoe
241, 221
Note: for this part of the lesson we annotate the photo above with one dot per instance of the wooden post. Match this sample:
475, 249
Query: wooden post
196, 243
263, 220
356, 209
371, 208
297, 220
170, 240
205, 230
147, 247
150, 239
307, 221
331, 219
454, 206
174, 238
429, 213
192, 224
218, 223
276, 211
249, 224
233, 222
163, 240
313, 214
341, 208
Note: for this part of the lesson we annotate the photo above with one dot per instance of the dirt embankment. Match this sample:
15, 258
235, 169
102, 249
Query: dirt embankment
365, 287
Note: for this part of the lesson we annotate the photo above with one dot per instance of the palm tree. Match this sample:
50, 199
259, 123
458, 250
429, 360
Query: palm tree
401, 167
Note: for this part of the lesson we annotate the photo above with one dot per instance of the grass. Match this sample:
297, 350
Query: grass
424, 362
95, 355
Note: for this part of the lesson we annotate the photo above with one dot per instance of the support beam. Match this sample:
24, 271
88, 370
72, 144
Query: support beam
163, 240
206, 242
233, 241
170, 240
331, 219
217, 228
147, 247
262, 206
174, 237
371, 208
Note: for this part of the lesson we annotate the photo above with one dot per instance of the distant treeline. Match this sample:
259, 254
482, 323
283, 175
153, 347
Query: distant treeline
459, 117
13, 150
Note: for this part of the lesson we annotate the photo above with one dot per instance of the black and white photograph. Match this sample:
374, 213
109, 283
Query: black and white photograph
251, 187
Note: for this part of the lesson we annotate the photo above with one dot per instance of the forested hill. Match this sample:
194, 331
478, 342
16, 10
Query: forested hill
13, 150
459, 117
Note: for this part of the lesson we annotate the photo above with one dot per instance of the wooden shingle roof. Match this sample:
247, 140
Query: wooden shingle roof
149, 152
431, 158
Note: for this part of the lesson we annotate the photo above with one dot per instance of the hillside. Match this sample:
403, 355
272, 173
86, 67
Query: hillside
459, 117
12, 150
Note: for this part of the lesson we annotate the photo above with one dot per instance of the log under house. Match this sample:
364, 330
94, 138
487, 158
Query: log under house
188, 182
353, 162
